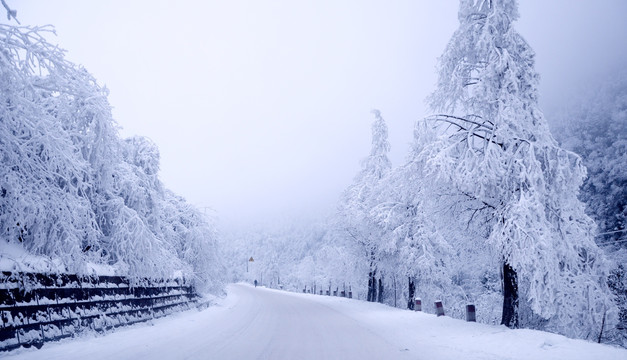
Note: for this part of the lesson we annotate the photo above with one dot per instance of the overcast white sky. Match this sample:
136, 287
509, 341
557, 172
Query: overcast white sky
262, 108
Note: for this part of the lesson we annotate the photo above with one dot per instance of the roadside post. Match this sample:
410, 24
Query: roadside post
417, 304
470, 313
439, 308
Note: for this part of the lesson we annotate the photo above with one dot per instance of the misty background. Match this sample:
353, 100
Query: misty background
262, 109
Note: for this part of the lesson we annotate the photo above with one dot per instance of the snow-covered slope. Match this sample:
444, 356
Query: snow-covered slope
259, 323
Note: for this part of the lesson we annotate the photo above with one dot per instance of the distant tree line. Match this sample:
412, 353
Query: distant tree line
595, 127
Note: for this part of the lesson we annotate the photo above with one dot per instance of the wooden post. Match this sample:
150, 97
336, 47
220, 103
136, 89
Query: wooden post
470, 313
417, 304
439, 308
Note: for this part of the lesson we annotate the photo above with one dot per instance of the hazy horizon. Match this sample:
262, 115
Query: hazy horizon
262, 110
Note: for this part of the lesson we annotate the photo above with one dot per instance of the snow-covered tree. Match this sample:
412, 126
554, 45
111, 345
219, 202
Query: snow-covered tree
71, 189
497, 152
45, 180
411, 243
360, 198
193, 236
595, 127
291, 253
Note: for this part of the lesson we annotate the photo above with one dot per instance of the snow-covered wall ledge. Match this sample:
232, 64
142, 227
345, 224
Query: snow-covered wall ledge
37, 307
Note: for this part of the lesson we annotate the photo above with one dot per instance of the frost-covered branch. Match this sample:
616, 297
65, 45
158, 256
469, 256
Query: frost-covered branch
455, 121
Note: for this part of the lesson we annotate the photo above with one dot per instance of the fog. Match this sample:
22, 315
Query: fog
262, 108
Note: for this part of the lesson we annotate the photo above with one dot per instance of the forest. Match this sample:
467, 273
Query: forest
490, 208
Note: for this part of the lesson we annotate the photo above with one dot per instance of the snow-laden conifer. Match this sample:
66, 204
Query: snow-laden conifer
361, 197
496, 149
414, 247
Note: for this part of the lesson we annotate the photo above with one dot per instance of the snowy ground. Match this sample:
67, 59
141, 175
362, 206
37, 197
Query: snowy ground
258, 323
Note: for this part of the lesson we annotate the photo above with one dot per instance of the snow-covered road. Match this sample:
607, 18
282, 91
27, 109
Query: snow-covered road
259, 323
267, 324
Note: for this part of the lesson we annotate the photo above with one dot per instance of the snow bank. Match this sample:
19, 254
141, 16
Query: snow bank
443, 337
14, 258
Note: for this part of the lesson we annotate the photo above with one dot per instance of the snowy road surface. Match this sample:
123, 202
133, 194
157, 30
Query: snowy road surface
258, 323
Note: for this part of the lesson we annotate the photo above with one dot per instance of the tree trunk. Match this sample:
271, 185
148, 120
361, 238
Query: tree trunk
394, 279
372, 286
380, 298
412, 294
372, 279
510, 297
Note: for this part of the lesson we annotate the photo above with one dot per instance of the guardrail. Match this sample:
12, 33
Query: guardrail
36, 308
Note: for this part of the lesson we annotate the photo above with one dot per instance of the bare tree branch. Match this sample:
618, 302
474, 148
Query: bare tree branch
10, 13
442, 117
450, 120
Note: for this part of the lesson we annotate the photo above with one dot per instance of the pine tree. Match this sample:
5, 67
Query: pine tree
360, 198
413, 245
496, 150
